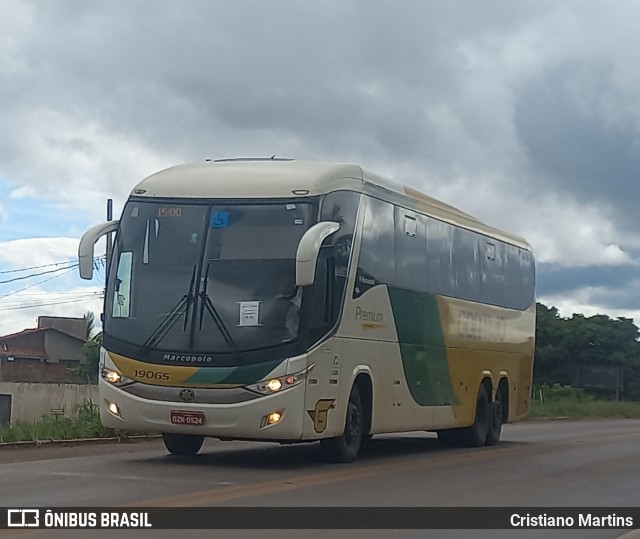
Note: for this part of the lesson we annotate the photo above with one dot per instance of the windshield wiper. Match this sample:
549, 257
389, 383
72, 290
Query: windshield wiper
179, 309
206, 303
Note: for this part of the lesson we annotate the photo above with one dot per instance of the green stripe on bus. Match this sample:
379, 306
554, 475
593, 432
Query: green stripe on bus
242, 375
422, 346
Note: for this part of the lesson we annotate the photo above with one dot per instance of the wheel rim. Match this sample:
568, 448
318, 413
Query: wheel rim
353, 432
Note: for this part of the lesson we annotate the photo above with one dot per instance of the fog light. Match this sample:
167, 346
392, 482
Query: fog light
113, 408
271, 419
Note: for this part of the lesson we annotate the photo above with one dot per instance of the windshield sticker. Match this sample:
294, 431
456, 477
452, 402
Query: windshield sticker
194, 238
145, 247
220, 219
135, 211
249, 313
298, 222
291, 207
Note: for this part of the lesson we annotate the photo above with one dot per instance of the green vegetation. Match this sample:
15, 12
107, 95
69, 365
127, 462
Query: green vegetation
85, 424
87, 372
557, 401
597, 353
585, 366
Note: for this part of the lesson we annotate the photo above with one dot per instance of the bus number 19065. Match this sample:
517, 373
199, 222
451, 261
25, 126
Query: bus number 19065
151, 375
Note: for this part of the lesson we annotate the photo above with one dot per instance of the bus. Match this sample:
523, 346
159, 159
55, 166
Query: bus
298, 301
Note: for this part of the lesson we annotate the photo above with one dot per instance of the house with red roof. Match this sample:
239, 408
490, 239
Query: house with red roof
44, 354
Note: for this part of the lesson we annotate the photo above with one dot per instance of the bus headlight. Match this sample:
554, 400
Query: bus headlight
275, 385
114, 377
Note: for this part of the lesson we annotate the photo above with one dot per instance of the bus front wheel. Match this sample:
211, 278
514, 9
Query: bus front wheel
346, 448
182, 444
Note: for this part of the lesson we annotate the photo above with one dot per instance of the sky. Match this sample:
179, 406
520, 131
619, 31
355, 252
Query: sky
523, 114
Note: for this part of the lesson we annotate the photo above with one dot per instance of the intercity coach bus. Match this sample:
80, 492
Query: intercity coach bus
284, 300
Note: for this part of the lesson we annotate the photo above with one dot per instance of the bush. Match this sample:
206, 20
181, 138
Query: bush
557, 392
84, 424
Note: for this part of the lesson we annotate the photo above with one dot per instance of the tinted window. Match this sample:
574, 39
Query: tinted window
411, 250
440, 257
377, 261
333, 262
493, 264
519, 277
466, 266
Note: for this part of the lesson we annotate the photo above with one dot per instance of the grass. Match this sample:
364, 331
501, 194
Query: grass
85, 424
590, 409
570, 402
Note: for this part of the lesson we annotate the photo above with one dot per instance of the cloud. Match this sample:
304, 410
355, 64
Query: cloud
24, 252
21, 311
526, 115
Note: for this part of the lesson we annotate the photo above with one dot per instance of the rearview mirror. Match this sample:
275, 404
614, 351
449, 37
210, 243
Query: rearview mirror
308, 249
87, 244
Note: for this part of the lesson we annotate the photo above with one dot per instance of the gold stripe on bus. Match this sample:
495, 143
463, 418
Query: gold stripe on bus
160, 375
372, 325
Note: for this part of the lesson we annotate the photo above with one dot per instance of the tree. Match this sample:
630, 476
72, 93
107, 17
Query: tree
91, 322
88, 370
596, 352
91, 350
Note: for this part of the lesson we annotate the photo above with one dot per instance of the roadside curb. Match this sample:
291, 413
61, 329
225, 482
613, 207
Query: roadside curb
77, 441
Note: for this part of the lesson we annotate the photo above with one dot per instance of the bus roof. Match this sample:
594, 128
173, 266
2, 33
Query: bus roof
285, 178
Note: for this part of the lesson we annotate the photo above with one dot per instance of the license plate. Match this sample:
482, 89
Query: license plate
187, 418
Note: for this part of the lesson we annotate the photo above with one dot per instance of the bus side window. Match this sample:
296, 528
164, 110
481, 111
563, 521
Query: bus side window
341, 207
466, 264
440, 257
411, 250
493, 283
333, 260
122, 293
377, 264
520, 277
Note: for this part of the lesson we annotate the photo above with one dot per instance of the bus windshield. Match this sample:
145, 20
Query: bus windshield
206, 278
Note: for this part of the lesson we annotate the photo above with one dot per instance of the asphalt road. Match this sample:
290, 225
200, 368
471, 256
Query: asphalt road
538, 464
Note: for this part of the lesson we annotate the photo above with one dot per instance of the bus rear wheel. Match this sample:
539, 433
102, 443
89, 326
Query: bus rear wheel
496, 418
346, 448
182, 444
476, 434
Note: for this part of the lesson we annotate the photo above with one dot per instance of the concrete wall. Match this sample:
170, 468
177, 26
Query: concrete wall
60, 346
30, 401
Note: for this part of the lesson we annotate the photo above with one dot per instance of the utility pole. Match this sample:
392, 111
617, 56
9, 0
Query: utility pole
109, 239
108, 252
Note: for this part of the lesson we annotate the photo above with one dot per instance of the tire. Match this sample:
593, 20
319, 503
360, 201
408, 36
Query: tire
346, 448
450, 437
182, 444
476, 434
496, 419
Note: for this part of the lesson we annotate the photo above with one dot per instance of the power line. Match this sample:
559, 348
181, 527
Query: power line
35, 284
23, 277
47, 304
25, 299
37, 267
